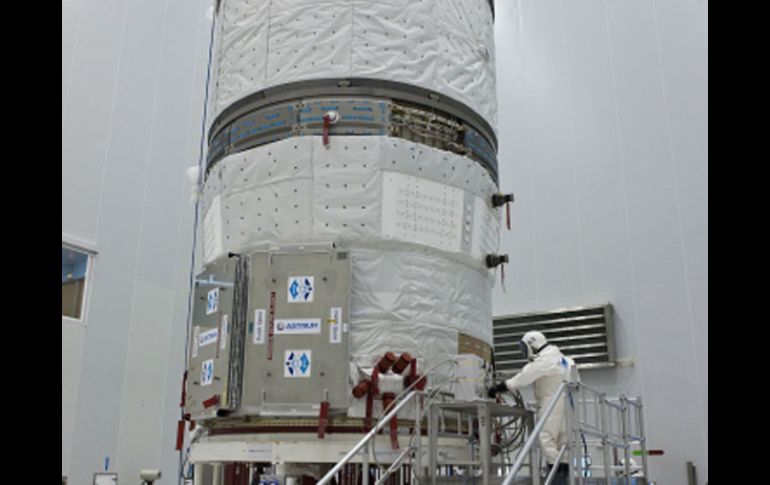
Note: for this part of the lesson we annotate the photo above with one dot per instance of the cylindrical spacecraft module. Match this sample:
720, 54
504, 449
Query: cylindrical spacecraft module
350, 206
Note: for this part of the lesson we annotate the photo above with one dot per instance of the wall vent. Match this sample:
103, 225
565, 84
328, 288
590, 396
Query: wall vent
586, 334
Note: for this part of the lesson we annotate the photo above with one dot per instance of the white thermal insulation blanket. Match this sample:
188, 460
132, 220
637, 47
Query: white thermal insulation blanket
442, 45
418, 281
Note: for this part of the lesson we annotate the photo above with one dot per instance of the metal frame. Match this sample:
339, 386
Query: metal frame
363, 444
482, 414
629, 419
296, 114
90, 253
366, 87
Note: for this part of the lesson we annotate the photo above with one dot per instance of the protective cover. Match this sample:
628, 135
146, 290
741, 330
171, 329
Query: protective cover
413, 290
442, 45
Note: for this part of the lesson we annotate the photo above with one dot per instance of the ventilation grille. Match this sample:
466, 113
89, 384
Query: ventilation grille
585, 334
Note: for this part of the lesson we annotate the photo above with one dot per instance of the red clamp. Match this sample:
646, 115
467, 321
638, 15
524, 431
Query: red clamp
330, 118
323, 419
212, 401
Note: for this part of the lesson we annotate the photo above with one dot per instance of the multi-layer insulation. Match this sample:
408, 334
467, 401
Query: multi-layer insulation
417, 220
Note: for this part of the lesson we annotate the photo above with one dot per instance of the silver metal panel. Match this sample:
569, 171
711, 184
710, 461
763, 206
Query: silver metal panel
208, 319
269, 386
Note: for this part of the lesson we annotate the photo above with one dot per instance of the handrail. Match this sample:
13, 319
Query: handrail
365, 440
533, 436
395, 465
555, 467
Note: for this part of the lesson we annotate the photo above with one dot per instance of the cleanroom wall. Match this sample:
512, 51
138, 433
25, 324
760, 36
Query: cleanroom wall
603, 138
133, 77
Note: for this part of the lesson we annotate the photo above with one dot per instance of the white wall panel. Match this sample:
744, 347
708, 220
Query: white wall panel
614, 92
132, 82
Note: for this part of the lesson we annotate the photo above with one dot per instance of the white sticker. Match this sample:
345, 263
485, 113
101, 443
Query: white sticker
208, 337
212, 231
297, 326
296, 363
259, 326
300, 289
196, 332
335, 325
212, 301
344, 328
225, 333
207, 372
422, 211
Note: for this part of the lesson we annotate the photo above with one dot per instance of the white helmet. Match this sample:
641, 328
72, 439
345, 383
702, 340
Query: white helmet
532, 343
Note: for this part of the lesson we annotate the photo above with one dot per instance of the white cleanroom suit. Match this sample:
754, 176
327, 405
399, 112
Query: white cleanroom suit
547, 371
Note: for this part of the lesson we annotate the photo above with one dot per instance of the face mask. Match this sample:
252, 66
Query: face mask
524, 349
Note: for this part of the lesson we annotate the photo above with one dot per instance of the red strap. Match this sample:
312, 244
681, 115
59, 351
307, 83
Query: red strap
184, 390
271, 326
373, 391
502, 277
323, 419
192, 425
212, 401
369, 406
179, 434
327, 126
375, 382
394, 432
387, 402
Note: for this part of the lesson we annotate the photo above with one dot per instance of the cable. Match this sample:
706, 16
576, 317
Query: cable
180, 478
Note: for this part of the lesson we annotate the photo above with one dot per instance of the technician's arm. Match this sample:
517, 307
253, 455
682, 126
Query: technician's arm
529, 374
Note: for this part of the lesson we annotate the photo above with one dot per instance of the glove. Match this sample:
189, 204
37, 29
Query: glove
495, 390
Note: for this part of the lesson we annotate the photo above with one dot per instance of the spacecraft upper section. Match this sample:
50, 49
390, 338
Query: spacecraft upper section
445, 46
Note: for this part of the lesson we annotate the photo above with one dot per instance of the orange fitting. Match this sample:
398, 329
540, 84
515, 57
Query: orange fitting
402, 363
386, 362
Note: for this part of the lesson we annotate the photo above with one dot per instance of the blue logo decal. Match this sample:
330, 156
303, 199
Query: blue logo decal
297, 363
301, 289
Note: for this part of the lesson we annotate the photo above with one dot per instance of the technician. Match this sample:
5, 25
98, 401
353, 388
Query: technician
547, 368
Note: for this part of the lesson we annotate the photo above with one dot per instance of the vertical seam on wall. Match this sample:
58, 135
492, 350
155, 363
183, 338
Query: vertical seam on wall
110, 120
72, 61
672, 161
141, 220
529, 177
189, 298
625, 194
574, 157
